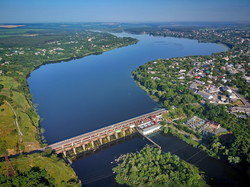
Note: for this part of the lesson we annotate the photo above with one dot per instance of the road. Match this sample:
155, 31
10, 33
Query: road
102, 131
16, 121
244, 101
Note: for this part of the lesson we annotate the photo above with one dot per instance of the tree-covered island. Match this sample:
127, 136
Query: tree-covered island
153, 167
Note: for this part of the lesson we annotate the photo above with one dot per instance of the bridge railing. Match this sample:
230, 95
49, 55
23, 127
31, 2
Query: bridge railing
104, 130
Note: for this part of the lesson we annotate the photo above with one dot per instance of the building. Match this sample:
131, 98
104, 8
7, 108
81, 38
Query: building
149, 125
205, 95
193, 86
233, 97
240, 110
146, 129
223, 98
212, 89
213, 124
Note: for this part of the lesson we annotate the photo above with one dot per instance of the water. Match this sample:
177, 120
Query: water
85, 94
96, 169
222, 173
82, 95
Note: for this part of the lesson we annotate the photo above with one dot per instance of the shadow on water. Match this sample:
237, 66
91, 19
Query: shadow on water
218, 172
92, 92
96, 166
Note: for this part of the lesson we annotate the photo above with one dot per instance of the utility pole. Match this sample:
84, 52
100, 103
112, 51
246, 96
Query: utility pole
10, 172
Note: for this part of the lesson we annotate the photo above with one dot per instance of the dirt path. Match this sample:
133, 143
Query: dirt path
16, 121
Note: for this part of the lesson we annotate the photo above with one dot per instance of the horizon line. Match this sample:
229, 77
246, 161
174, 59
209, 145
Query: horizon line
124, 22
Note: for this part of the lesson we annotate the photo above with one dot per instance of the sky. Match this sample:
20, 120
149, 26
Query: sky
37, 11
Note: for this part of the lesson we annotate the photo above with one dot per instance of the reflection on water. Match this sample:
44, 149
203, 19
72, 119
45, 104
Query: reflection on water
83, 95
96, 168
219, 172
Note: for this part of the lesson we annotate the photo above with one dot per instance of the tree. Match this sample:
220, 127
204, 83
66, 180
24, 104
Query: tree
165, 130
233, 160
3, 148
152, 167
34, 177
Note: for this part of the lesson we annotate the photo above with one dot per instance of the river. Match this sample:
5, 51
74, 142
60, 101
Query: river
95, 91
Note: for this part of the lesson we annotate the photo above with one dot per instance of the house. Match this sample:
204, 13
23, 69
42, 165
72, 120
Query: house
205, 95
182, 71
199, 82
213, 124
240, 109
225, 58
223, 98
155, 78
193, 86
233, 97
225, 88
213, 89
181, 78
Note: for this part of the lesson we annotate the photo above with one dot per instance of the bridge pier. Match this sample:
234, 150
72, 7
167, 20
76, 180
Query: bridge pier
124, 133
104, 135
108, 137
64, 153
83, 147
74, 150
116, 135
130, 130
100, 139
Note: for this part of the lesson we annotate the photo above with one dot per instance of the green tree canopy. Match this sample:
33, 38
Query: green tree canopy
152, 167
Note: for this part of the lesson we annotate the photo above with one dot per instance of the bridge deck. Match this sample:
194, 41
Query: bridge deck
103, 131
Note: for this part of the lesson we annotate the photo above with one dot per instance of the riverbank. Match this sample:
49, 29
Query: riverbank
179, 83
101, 86
56, 168
22, 133
15, 90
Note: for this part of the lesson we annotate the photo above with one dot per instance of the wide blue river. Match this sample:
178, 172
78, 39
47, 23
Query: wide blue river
95, 91
82, 95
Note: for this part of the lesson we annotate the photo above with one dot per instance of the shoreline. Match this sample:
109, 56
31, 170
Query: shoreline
55, 62
61, 61
98, 53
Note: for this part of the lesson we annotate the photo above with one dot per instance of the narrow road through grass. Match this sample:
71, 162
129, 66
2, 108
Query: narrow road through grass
16, 120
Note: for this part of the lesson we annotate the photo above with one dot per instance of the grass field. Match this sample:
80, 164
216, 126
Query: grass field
27, 119
8, 32
55, 167
8, 132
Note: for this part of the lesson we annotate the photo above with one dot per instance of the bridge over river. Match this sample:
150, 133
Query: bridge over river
92, 140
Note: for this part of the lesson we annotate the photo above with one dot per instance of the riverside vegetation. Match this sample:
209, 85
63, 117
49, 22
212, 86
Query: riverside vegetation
21, 51
168, 82
152, 167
